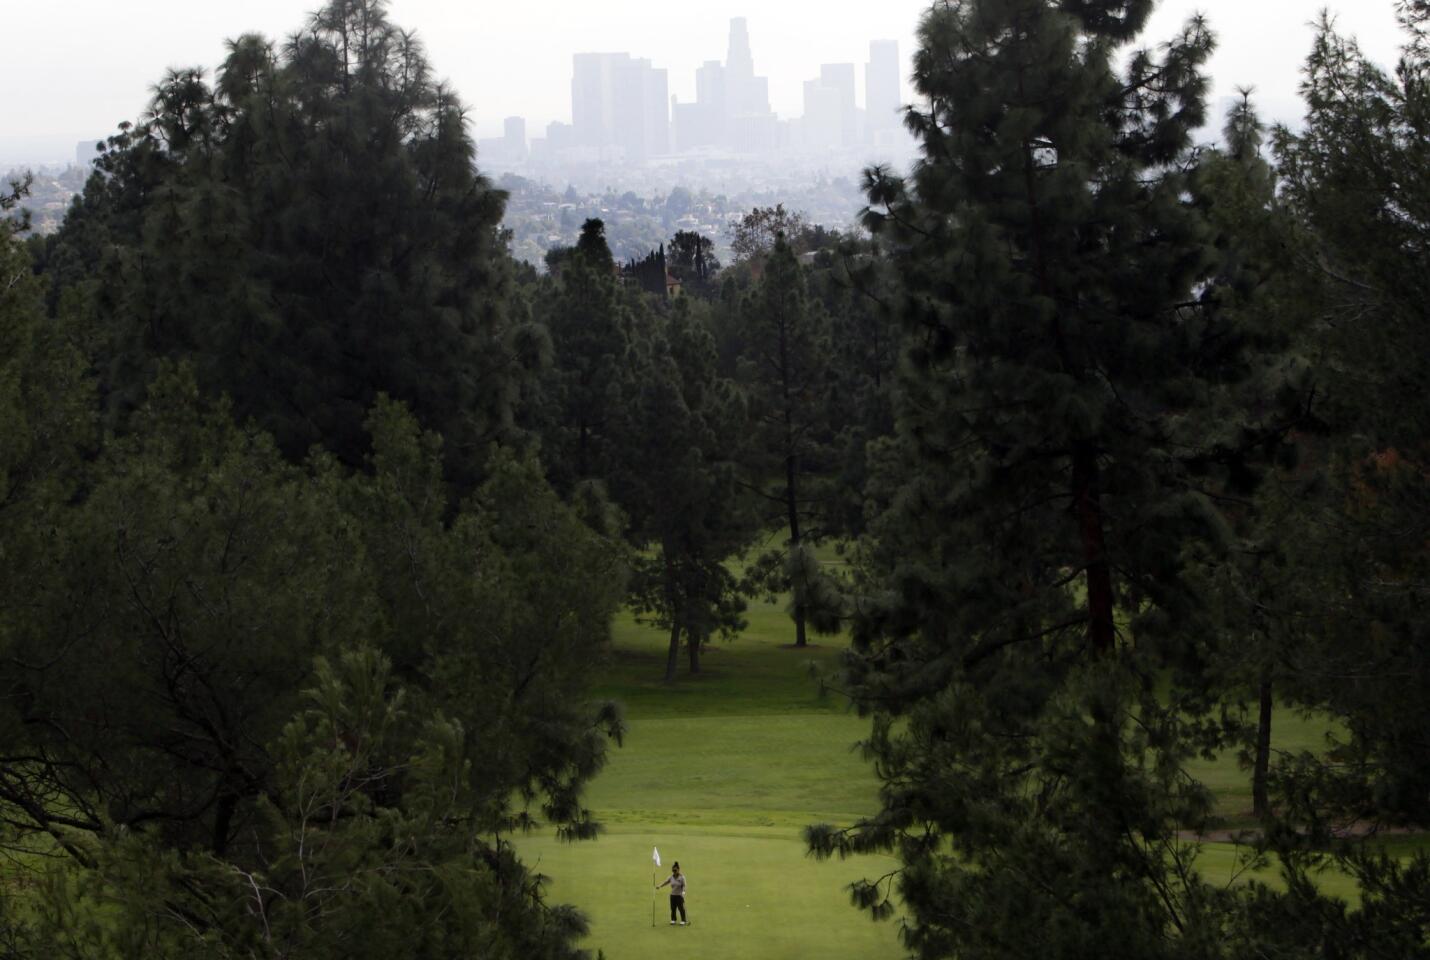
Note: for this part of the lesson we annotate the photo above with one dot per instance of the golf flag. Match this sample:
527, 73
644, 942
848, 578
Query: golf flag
655, 855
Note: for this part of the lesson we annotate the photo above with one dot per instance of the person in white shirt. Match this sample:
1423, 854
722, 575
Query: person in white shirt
676, 882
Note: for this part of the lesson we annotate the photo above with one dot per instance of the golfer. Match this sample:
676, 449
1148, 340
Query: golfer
676, 882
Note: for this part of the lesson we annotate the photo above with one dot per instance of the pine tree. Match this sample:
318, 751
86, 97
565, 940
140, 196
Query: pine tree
310, 231
678, 480
1358, 568
856, 289
692, 259
589, 322
785, 370
1034, 651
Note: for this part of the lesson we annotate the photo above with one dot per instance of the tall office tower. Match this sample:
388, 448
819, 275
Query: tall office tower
509, 148
746, 95
710, 85
882, 98
738, 59
619, 102
640, 98
711, 96
593, 104
657, 113
560, 136
822, 125
514, 133
732, 105
840, 78
85, 152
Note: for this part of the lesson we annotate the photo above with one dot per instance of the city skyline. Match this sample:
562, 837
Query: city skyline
622, 110
510, 61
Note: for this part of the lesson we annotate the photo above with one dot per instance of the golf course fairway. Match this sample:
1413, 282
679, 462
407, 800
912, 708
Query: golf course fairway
721, 772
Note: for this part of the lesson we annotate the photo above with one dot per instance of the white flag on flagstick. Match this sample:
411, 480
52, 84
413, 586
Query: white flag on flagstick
655, 855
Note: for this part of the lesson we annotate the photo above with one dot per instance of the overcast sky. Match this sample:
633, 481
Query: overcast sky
78, 67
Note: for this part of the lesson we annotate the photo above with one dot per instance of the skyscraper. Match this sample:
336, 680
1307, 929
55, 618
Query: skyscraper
619, 102
593, 97
732, 105
882, 96
822, 125
514, 131
746, 96
738, 59
839, 77
641, 109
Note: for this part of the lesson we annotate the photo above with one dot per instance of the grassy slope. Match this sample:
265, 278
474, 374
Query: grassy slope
723, 770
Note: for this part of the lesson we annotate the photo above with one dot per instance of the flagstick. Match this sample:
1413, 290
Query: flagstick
653, 874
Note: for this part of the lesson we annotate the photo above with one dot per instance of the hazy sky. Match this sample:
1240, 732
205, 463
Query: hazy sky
78, 67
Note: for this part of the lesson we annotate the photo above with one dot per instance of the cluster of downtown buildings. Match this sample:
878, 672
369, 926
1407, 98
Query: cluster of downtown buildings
622, 112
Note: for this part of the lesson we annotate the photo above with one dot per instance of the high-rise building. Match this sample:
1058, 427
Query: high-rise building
85, 151
703, 123
508, 149
641, 113
839, 77
621, 103
822, 126
710, 85
746, 95
882, 97
732, 105
738, 58
514, 129
593, 105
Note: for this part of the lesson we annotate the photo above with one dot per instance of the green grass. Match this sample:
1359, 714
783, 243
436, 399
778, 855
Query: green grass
723, 770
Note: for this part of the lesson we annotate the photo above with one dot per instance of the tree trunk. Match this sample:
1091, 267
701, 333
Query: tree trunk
672, 658
223, 822
1260, 804
1101, 627
791, 502
582, 466
792, 509
791, 470
692, 643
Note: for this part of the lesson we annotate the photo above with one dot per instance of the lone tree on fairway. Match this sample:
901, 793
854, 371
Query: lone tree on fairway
786, 373
1066, 425
682, 426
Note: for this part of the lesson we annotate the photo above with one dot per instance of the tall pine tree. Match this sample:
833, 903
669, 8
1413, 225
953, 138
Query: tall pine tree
678, 480
1033, 656
785, 369
310, 231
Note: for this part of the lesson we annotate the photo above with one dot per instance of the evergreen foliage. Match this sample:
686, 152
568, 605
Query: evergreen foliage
692, 259
309, 230
1128, 436
682, 428
756, 233
258, 702
857, 287
589, 323
1071, 416
1354, 523
785, 372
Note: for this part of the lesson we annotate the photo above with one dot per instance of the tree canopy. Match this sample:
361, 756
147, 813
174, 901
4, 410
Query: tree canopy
308, 229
